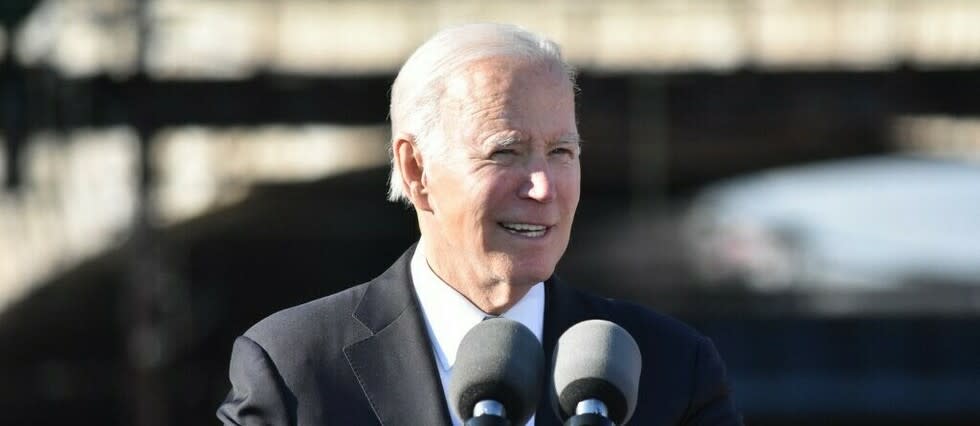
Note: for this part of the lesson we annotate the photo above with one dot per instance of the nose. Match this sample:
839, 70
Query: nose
539, 185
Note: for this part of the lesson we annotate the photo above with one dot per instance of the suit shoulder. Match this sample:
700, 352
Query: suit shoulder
641, 320
310, 322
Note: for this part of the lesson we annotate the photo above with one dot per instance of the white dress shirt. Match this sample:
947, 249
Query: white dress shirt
449, 316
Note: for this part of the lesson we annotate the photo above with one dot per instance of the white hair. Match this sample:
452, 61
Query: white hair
421, 82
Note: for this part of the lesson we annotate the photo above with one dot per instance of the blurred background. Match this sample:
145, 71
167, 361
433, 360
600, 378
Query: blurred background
799, 179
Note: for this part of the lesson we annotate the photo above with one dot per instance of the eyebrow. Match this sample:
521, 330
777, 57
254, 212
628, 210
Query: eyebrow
503, 141
570, 139
506, 141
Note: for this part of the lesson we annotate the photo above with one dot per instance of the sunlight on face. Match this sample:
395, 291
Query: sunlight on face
503, 198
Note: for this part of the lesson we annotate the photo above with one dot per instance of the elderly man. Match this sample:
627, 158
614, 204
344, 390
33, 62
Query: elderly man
485, 148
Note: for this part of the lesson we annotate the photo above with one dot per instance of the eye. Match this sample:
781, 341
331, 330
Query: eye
503, 153
563, 151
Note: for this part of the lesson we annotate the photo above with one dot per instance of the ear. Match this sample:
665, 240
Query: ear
411, 169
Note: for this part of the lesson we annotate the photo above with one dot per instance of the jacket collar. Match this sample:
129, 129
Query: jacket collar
394, 365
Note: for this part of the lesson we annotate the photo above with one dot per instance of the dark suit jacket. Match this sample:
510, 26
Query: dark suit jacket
363, 357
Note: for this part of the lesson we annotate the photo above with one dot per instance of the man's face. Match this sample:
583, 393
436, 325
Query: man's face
504, 195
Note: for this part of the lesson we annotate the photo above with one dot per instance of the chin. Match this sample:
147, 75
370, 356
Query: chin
529, 275
524, 268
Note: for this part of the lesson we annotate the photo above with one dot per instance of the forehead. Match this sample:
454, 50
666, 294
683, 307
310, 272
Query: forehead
535, 99
498, 76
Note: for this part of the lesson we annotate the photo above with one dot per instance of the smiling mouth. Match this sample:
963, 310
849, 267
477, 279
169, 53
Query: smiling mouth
525, 229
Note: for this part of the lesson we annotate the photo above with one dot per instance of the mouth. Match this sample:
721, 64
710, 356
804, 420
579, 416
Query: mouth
528, 230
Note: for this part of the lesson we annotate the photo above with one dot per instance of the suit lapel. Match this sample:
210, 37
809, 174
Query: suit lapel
395, 365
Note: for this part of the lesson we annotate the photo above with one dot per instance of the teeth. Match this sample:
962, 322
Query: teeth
525, 229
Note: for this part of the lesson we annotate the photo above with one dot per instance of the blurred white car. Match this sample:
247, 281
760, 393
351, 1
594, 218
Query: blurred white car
867, 223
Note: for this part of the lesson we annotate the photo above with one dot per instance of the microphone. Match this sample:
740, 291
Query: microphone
596, 374
498, 375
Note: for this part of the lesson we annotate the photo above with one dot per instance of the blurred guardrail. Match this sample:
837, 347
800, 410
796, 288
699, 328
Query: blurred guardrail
238, 38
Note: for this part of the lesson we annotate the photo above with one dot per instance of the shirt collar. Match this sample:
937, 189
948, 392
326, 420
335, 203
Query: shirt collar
449, 315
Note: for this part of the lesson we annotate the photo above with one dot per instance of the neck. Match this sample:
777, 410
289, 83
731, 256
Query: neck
494, 300
493, 297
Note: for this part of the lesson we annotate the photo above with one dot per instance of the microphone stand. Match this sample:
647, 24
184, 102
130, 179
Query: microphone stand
590, 412
488, 413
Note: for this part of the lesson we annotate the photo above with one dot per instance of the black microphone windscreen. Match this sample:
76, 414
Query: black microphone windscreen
596, 359
501, 360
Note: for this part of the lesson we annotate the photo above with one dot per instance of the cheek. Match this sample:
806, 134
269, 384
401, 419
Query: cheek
490, 190
453, 181
569, 186
475, 199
